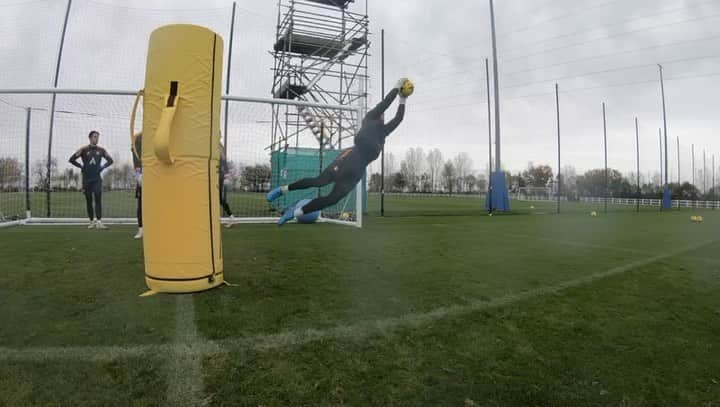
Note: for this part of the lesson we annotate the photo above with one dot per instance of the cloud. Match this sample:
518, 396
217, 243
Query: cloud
442, 46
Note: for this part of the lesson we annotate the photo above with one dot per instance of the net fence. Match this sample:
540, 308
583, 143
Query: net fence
254, 163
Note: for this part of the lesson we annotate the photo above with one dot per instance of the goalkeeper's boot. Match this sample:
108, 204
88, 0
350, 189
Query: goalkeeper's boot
274, 194
100, 225
288, 215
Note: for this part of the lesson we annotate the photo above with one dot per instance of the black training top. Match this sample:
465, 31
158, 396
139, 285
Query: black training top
92, 162
370, 139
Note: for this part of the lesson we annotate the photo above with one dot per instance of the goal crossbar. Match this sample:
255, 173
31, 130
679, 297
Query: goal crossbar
121, 92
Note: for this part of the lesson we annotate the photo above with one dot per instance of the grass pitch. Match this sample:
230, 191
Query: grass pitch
568, 310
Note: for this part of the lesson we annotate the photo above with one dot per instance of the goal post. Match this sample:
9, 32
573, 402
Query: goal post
254, 157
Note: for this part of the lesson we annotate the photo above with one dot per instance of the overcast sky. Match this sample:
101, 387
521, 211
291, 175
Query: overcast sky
597, 50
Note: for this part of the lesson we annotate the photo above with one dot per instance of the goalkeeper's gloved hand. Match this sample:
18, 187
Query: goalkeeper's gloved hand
400, 83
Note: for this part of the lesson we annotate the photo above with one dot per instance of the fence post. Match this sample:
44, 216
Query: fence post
52, 105
606, 167
227, 80
382, 94
559, 178
28, 214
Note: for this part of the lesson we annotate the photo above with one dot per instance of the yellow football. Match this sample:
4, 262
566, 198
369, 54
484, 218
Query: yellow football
407, 88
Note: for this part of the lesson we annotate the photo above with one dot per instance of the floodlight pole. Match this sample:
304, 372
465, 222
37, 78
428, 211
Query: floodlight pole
52, 105
227, 79
692, 152
704, 174
487, 82
678, 156
320, 158
496, 89
606, 167
662, 90
500, 190
382, 153
637, 150
661, 164
559, 179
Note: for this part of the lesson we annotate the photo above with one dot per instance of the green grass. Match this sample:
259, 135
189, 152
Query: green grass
122, 204
428, 310
122, 382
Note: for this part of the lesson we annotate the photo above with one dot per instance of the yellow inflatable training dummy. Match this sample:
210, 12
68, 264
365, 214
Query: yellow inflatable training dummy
180, 152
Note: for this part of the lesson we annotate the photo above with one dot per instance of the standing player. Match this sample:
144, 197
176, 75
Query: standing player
347, 170
223, 190
137, 164
91, 168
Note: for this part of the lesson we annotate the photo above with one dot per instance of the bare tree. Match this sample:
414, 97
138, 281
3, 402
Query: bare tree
481, 183
390, 168
414, 159
11, 173
449, 176
470, 182
425, 184
569, 177
120, 177
69, 179
404, 175
435, 163
463, 167
39, 173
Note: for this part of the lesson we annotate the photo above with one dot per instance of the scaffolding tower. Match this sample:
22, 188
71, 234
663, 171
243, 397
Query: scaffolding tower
320, 55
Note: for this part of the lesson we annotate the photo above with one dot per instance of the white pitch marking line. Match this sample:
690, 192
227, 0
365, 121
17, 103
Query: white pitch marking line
378, 327
185, 378
200, 347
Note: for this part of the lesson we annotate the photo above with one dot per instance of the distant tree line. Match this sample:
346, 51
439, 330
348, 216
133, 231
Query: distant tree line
249, 178
421, 172
417, 172
593, 183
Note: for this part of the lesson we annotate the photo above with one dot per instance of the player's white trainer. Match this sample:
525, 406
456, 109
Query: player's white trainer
230, 222
92, 225
139, 234
100, 225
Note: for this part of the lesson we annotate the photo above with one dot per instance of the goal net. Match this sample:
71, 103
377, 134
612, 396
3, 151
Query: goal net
276, 142
38, 185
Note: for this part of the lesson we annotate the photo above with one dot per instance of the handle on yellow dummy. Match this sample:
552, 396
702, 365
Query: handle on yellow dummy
133, 136
161, 141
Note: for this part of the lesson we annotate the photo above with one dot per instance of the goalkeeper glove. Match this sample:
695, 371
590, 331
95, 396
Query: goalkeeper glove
400, 83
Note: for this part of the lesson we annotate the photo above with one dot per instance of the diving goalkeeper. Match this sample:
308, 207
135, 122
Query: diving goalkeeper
347, 170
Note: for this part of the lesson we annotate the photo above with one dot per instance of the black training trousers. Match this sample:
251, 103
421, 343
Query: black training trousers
346, 171
93, 191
